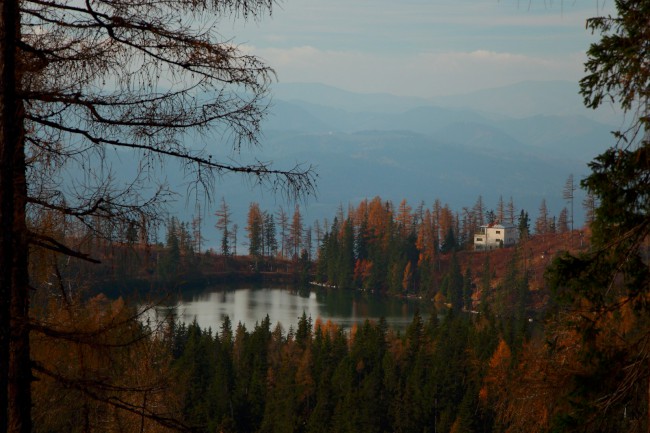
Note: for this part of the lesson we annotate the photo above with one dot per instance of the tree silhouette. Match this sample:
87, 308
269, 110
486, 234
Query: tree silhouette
603, 293
542, 221
255, 230
568, 193
83, 83
223, 215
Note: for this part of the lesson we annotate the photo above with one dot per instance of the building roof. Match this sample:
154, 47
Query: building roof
499, 226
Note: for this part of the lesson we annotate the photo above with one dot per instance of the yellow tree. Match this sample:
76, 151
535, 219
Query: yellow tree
407, 279
96, 366
404, 219
255, 230
379, 219
528, 394
426, 240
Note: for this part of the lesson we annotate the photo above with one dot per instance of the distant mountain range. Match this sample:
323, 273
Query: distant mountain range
520, 141
521, 100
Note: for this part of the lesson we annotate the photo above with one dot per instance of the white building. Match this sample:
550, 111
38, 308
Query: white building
495, 235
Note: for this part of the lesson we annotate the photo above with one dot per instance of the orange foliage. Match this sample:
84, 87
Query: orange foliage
352, 335
525, 397
379, 218
328, 328
408, 276
426, 240
501, 358
94, 365
360, 213
404, 218
439, 300
362, 270
304, 379
446, 220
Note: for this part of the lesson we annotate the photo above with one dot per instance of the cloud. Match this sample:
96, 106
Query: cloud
423, 74
424, 47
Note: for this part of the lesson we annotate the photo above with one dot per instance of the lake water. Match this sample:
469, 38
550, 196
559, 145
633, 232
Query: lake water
250, 305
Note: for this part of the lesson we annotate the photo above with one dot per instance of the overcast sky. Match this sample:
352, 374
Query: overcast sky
422, 47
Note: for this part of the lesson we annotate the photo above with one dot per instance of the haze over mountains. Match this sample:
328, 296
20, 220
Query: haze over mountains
521, 141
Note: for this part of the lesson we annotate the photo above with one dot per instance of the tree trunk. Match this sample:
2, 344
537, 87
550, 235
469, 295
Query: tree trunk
6, 201
20, 369
15, 367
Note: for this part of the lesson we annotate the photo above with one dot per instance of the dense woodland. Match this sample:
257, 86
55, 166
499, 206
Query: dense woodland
376, 246
454, 371
497, 357
446, 372
323, 379
307, 377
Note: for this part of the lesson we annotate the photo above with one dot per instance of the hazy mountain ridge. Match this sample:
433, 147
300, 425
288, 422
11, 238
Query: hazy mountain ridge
520, 100
573, 135
367, 145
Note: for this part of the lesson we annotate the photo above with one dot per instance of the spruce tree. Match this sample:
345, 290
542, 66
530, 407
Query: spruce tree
603, 294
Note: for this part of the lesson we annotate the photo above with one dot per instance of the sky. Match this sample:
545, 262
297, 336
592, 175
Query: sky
421, 48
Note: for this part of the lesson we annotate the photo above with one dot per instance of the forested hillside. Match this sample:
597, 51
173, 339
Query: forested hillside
551, 334
317, 378
376, 246
310, 376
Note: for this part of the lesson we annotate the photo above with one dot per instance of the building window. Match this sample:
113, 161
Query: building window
479, 239
498, 232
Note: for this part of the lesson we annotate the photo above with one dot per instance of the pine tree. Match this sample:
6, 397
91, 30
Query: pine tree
437, 219
501, 211
404, 218
479, 211
169, 264
449, 244
568, 193
283, 221
255, 230
603, 293
562, 221
296, 233
270, 239
456, 284
523, 224
589, 205
542, 221
308, 243
511, 211
233, 238
197, 231
346, 259
223, 224
491, 217
318, 234
467, 288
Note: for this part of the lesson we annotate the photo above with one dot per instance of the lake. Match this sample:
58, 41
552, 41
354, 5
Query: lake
285, 305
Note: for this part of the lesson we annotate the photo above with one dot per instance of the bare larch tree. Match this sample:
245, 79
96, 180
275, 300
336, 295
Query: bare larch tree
85, 80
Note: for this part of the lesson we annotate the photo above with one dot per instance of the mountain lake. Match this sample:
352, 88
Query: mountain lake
250, 305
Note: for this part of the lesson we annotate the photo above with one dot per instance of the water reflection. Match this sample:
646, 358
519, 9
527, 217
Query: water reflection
285, 305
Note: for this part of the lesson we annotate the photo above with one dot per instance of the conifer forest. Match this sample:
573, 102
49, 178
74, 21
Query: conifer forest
549, 333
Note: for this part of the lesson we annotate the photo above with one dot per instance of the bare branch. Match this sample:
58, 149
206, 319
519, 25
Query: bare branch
56, 246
